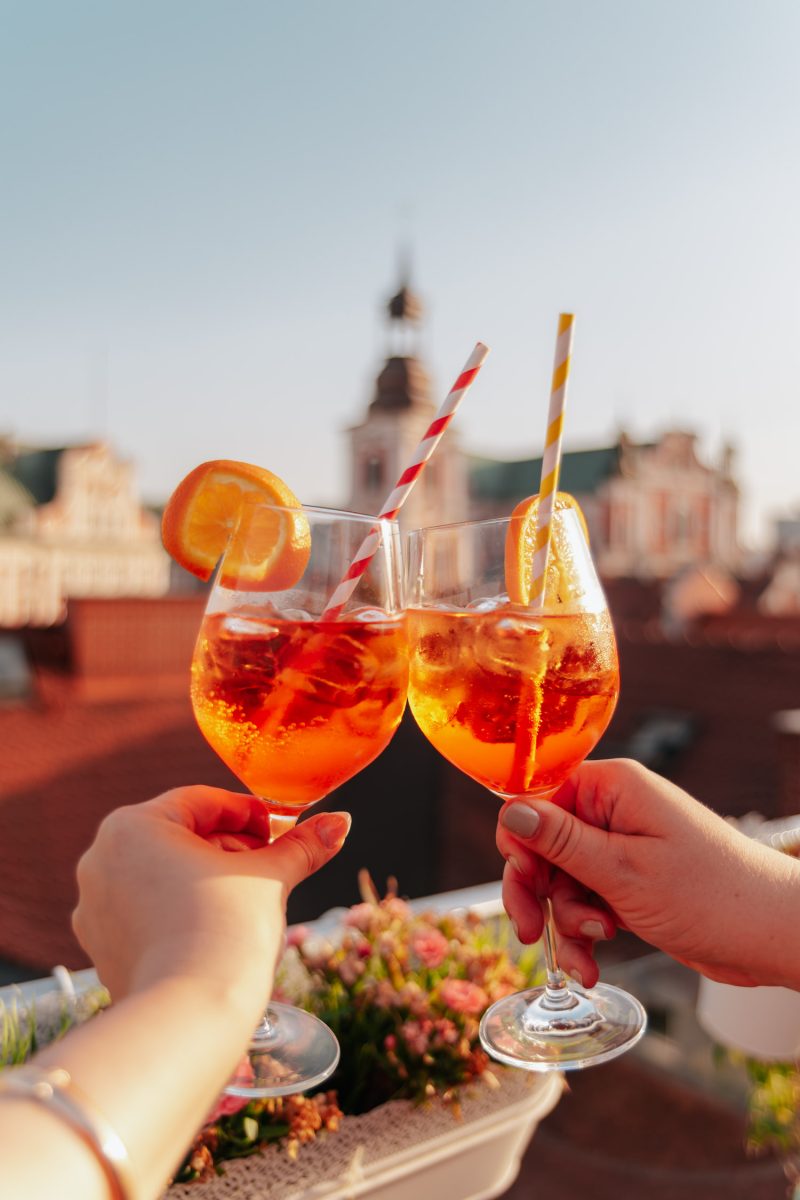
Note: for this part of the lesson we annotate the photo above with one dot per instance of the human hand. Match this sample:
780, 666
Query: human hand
162, 893
663, 866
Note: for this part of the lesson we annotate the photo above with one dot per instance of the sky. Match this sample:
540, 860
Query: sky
204, 206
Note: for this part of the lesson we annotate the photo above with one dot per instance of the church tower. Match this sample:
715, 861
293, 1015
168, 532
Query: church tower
400, 412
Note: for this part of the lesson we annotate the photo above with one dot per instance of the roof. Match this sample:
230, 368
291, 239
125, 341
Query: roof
405, 306
402, 384
14, 498
108, 729
37, 471
582, 472
111, 724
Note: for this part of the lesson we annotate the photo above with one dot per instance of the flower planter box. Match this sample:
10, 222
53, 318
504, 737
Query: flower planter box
402, 1152
762, 1022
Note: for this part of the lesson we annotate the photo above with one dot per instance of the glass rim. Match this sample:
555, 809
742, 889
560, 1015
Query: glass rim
321, 511
480, 523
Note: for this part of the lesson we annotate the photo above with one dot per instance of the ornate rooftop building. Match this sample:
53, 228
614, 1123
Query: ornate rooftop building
72, 525
653, 508
397, 417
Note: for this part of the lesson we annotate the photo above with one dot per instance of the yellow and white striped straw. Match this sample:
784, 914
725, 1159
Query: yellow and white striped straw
551, 459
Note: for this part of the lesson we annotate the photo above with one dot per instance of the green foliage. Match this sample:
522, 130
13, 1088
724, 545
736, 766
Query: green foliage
774, 1107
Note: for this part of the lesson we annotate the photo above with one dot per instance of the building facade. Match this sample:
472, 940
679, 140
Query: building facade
72, 525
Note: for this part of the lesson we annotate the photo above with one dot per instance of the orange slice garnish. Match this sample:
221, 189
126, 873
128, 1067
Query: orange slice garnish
219, 508
521, 542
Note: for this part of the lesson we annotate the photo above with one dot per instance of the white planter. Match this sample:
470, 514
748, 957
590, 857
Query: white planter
402, 1152
763, 1022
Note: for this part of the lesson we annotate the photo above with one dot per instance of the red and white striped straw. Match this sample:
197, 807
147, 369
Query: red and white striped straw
405, 483
551, 460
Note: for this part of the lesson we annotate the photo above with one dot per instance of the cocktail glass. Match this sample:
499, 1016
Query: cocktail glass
517, 699
295, 705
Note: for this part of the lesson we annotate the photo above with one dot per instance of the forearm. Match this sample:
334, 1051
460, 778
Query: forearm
776, 937
153, 1066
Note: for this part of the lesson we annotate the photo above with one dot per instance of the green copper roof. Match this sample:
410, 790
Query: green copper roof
14, 498
582, 472
36, 471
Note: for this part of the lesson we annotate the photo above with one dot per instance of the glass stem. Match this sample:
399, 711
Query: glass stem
279, 824
557, 993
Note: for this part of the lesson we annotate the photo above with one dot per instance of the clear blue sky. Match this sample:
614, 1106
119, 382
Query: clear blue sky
202, 202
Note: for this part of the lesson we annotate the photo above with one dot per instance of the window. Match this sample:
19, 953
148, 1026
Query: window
373, 471
16, 682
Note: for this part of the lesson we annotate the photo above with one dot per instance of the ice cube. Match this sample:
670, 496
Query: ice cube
239, 656
295, 614
487, 603
367, 614
510, 644
234, 626
335, 671
438, 653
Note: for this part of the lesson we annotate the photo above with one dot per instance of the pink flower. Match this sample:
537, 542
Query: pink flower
396, 907
430, 948
296, 935
413, 997
463, 996
415, 1037
360, 916
350, 970
385, 996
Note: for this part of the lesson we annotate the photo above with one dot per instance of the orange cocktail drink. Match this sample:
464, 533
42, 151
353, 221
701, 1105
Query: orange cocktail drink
293, 695
296, 707
515, 700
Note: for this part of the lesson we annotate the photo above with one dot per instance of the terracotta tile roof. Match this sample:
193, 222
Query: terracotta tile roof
111, 724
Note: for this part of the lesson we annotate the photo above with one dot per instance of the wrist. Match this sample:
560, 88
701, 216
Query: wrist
235, 999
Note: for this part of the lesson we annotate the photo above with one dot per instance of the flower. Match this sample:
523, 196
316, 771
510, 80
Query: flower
403, 993
430, 947
463, 996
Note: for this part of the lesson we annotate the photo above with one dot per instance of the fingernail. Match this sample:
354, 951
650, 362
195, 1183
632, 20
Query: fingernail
520, 819
593, 930
512, 862
515, 927
333, 828
576, 975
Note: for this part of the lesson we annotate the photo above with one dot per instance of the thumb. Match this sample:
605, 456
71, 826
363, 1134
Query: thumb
307, 847
582, 850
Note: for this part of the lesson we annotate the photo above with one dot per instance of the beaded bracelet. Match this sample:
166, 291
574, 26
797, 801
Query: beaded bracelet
55, 1089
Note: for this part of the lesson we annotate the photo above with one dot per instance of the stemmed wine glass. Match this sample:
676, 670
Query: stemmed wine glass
517, 699
295, 703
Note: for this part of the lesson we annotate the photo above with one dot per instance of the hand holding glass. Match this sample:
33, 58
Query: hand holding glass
295, 705
517, 699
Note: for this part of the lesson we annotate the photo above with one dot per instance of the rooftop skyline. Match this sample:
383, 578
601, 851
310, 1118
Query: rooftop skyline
203, 210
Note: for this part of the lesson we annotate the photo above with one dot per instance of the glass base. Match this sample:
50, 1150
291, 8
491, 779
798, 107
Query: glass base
292, 1051
523, 1030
